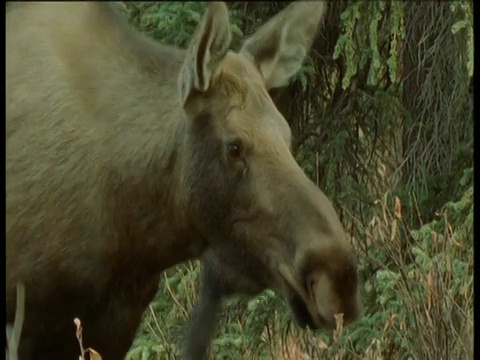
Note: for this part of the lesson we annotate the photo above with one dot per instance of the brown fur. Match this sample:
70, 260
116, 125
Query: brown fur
118, 168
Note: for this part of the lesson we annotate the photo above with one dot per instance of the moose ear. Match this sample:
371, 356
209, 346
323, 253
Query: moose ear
279, 47
208, 47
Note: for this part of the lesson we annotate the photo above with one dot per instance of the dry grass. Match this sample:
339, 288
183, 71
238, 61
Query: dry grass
434, 283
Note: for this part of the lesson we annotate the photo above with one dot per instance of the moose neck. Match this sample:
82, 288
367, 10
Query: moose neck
131, 94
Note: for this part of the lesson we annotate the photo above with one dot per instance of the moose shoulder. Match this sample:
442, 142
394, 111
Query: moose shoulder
125, 157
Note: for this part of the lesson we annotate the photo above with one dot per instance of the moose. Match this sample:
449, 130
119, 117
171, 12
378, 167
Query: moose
125, 157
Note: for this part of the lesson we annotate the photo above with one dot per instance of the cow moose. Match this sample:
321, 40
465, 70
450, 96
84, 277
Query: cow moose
125, 157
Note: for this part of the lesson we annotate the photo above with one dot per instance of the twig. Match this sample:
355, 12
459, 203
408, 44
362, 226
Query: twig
13, 334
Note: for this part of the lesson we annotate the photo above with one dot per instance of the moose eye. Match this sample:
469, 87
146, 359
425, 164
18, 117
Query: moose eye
234, 150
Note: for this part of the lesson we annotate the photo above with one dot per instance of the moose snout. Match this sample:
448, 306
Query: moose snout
334, 296
323, 284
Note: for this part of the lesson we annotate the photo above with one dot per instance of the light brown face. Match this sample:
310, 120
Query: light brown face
245, 190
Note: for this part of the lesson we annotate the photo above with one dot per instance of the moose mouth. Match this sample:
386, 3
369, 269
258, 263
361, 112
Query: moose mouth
303, 317
302, 303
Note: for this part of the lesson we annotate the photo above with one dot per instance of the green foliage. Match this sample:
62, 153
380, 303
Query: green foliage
161, 18
174, 22
305, 73
465, 24
363, 34
397, 35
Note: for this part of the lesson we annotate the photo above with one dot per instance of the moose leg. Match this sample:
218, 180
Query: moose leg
224, 274
202, 325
